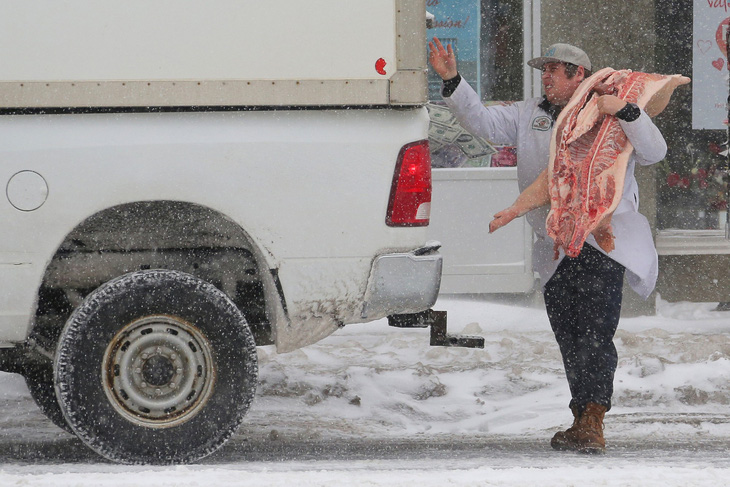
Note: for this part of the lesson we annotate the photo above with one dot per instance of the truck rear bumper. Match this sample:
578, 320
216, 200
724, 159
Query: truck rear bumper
402, 283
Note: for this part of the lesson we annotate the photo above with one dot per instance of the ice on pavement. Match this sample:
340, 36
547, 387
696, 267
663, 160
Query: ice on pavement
373, 381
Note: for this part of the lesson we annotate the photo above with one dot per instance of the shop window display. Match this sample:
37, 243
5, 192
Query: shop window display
692, 182
693, 189
487, 38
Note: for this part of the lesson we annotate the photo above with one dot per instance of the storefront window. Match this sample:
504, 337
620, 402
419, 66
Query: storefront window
487, 36
692, 181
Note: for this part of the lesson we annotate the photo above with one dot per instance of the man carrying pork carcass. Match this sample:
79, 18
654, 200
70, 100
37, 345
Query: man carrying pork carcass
582, 284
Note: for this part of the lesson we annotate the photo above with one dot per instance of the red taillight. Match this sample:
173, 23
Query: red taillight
410, 194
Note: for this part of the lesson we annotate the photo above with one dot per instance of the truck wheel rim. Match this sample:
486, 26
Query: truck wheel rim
158, 371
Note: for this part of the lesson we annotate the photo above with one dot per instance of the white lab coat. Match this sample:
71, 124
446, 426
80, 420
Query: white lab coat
529, 128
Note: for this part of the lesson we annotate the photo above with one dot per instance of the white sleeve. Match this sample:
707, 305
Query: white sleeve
648, 142
498, 124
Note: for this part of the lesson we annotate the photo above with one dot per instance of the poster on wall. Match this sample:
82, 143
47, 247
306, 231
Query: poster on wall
709, 64
457, 22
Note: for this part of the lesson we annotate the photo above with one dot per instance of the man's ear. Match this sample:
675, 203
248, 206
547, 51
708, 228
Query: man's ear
581, 72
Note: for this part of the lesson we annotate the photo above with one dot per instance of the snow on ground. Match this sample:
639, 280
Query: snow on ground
375, 384
390, 382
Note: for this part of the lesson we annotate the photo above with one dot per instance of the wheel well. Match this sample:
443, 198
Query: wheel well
150, 235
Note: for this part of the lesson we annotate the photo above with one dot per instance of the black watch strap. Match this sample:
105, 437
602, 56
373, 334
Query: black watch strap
450, 86
629, 113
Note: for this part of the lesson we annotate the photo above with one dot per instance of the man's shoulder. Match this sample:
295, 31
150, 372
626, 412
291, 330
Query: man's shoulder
532, 103
531, 106
526, 113
525, 108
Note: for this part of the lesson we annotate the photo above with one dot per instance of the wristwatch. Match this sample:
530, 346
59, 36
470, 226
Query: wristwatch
629, 113
450, 86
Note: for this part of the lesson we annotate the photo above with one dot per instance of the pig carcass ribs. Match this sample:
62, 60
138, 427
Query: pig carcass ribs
589, 153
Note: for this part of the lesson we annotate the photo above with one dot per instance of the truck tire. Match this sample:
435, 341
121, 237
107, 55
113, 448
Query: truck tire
155, 367
39, 379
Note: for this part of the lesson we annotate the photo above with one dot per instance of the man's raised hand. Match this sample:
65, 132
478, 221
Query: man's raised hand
442, 60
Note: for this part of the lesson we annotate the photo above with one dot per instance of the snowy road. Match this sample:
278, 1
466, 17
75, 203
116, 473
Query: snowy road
425, 453
373, 405
62, 460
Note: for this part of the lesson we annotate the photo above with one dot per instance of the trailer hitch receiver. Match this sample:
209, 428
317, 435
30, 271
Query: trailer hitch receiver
437, 321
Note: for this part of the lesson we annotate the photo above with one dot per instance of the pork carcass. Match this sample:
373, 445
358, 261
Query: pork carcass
589, 153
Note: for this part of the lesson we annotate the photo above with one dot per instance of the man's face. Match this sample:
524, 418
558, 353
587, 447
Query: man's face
558, 87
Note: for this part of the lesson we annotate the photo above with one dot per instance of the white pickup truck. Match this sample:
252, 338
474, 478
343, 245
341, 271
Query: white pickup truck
186, 181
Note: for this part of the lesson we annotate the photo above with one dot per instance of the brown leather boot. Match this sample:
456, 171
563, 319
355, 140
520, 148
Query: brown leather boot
568, 439
589, 433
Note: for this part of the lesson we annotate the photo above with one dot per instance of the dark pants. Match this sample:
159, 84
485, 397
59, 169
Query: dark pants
583, 301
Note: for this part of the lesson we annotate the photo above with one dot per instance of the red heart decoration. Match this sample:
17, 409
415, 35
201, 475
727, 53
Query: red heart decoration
719, 63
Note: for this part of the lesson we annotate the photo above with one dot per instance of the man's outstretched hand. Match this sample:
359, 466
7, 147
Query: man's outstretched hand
534, 196
442, 60
503, 217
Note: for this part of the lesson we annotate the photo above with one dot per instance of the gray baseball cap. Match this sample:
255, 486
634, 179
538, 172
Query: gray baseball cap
561, 53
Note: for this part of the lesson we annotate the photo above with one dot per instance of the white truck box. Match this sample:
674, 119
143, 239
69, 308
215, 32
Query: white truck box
188, 180
92, 53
